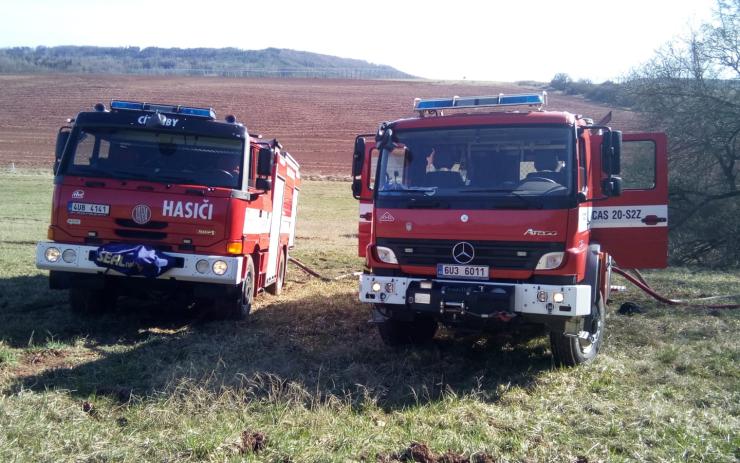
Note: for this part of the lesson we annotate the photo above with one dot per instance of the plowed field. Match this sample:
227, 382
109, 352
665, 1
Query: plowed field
316, 120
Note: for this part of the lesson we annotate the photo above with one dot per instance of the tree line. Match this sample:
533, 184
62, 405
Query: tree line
230, 62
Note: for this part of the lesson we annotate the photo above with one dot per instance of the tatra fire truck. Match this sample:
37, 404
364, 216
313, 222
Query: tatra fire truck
501, 215
165, 199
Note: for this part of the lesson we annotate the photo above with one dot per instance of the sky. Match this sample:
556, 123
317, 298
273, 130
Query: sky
454, 39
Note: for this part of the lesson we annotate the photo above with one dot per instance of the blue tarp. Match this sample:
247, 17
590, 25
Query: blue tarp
133, 259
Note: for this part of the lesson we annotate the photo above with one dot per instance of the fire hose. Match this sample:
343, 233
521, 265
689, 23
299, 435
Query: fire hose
316, 274
641, 283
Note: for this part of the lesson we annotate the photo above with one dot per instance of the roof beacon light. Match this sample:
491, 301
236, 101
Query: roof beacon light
207, 113
456, 102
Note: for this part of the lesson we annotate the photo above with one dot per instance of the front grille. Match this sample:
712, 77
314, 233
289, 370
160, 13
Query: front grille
140, 234
514, 255
153, 225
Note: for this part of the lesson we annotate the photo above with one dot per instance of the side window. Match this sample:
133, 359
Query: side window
638, 165
394, 174
90, 149
374, 156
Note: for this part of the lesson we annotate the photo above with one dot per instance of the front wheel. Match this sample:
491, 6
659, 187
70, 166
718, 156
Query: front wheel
277, 287
575, 350
238, 307
421, 330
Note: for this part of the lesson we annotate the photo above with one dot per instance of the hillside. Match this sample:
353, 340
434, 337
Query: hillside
231, 62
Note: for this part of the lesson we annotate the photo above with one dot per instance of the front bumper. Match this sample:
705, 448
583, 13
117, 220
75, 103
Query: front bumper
485, 299
82, 264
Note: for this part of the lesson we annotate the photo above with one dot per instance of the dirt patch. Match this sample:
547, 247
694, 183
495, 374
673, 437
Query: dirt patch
421, 453
252, 442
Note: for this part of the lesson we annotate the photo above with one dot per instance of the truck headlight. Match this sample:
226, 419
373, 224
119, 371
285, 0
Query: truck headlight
220, 267
386, 255
69, 256
550, 261
52, 254
201, 266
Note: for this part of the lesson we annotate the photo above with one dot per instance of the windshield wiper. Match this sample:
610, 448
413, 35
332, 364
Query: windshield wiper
428, 190
424, 203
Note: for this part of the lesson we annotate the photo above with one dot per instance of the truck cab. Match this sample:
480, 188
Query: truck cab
497, 219
158, 197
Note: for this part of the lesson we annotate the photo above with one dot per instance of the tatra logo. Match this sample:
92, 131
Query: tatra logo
141, 214
78, 194
187, 210
463, 252
387, 217
533, 232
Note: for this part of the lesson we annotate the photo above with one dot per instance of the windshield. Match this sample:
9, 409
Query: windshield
514, 162
156, 156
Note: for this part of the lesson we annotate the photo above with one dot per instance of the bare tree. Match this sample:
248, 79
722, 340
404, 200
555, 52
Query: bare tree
691, 89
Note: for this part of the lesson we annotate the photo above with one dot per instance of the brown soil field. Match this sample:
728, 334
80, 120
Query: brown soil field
315, 119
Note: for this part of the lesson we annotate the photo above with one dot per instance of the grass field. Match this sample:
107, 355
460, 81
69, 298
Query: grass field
310, 376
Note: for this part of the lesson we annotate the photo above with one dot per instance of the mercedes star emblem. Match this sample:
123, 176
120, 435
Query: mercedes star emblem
463, 252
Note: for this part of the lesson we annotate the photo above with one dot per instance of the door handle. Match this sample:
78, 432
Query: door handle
366, 216
654, 220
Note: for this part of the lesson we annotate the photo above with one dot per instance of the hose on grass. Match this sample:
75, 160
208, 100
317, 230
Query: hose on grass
642, 284
316, 274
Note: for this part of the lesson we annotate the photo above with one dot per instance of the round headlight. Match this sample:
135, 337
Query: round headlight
69, 256
220, 267
201, 266
558, 297
52, 254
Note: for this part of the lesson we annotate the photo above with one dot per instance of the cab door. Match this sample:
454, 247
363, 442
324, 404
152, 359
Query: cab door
633, 227
363, 177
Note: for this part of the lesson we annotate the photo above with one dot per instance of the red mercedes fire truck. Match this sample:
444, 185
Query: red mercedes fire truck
503, 217
165, 198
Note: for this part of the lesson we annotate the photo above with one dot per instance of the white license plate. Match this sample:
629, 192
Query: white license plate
88, 208
471, 272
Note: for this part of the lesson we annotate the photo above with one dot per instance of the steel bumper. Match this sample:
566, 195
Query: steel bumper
483, 299
81, 263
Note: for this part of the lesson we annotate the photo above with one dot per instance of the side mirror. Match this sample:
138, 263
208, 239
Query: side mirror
263, 184
358, 157
62, 139
265, 161
612, 186
357, 188
611, 152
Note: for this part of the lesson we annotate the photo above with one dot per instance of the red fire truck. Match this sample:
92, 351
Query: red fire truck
165, 198
501, 219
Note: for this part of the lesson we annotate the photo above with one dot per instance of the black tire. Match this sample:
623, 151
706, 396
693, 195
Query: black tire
237, 308
570, 350
277, 287
396, 333
85, 301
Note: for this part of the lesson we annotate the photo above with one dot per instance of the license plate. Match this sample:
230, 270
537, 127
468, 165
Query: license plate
88, 208
471, 272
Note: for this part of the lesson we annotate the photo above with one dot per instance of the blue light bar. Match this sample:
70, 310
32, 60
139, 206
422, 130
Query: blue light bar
207, 113
527, 99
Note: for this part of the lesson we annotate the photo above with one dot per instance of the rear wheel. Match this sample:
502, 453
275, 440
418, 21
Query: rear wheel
237, 308
576, 350
418, 331
87, 301
277, 287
